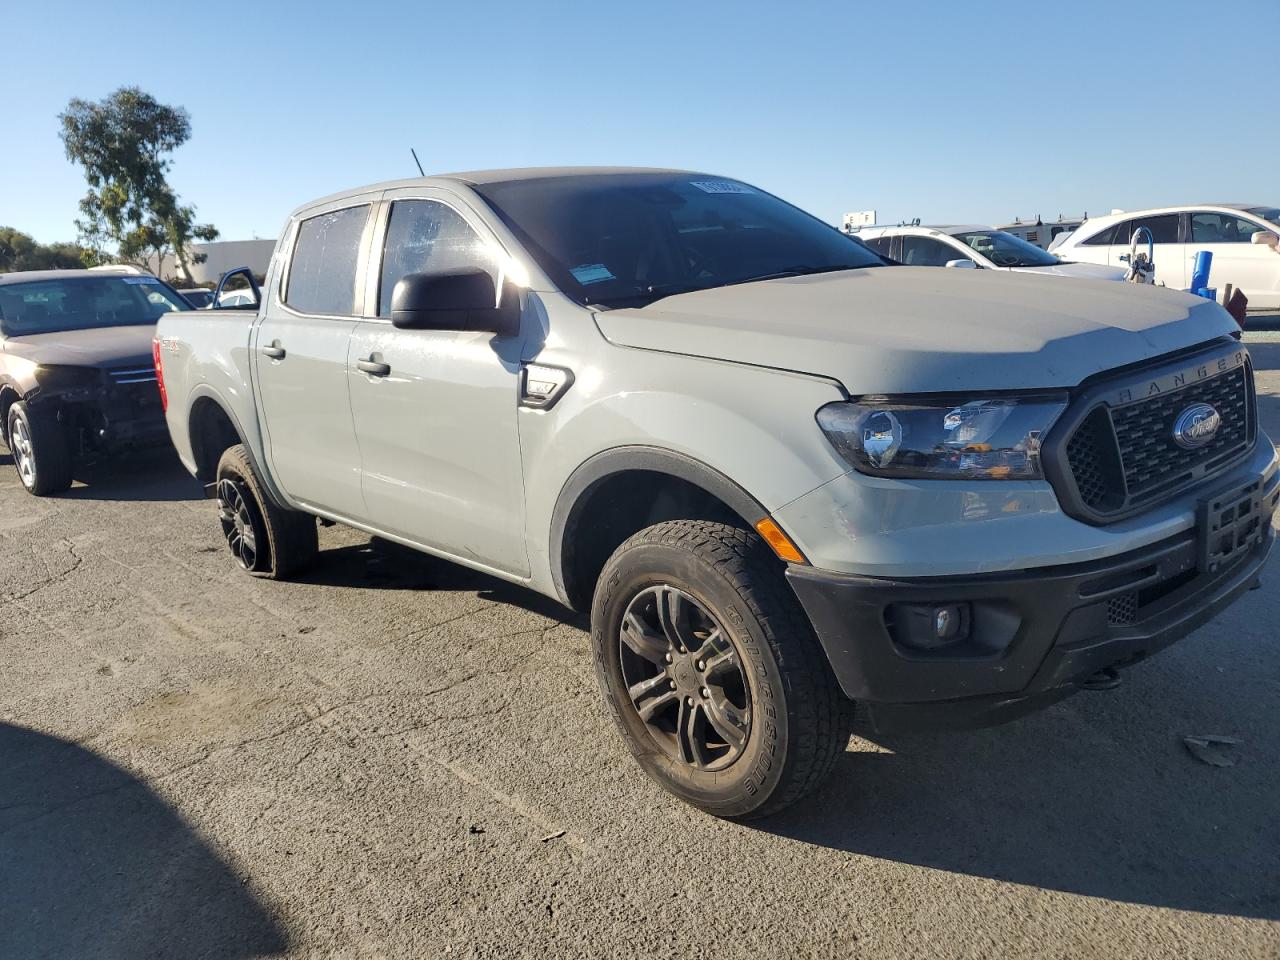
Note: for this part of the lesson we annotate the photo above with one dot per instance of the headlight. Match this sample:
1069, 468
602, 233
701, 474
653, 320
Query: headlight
952, 438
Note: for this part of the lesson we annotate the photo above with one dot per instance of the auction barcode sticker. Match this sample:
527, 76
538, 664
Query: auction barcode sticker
720, 186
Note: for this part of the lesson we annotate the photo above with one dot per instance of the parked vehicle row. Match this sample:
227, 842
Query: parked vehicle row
782, 475
975, 247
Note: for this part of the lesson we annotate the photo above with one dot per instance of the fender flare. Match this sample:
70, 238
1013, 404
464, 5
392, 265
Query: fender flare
618, 460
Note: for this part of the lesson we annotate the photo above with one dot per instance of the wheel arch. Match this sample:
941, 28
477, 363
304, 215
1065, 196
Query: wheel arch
212, 429
9, 395
620, 491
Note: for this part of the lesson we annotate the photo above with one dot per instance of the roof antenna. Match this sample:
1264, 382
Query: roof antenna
421, 172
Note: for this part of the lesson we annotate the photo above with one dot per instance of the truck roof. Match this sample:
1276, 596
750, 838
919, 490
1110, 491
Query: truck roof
475, 177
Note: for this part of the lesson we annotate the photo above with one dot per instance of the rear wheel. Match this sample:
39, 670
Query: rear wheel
41, 453
712, 672
265, 539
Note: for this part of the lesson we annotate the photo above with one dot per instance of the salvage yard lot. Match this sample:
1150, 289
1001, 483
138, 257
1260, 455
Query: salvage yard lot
398, 757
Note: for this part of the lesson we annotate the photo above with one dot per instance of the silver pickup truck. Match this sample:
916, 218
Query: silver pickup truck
783, 475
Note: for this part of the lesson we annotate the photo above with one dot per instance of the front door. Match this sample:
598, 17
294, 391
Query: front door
300, 364
434, 410
1253, 268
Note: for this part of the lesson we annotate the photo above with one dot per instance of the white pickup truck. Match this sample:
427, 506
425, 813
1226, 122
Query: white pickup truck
783, 475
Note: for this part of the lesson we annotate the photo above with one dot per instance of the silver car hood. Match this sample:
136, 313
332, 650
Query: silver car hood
920, 329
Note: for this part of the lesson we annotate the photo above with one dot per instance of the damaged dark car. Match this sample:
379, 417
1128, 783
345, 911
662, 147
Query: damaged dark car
77, 375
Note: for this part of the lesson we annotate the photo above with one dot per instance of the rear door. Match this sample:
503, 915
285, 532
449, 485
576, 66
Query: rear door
1237, 260
920, 251
436, 418
300, 360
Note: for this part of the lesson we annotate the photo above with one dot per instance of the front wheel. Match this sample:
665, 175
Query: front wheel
41, 453
265, 539
712, 673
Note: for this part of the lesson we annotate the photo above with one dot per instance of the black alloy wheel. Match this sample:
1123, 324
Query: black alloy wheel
684, 678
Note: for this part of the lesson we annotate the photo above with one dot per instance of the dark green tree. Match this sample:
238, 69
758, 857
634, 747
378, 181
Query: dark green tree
123, 143
19, 251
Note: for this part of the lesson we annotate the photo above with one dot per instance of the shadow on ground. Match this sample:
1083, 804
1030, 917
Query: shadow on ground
151, 475
382, 565
1098, 804
94, 864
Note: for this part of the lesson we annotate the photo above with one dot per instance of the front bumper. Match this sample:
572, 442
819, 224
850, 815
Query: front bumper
1033, 636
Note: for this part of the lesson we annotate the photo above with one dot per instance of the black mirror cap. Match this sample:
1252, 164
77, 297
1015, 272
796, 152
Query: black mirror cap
457, 300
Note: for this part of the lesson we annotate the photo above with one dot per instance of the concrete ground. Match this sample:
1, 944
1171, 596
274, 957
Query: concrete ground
396, 757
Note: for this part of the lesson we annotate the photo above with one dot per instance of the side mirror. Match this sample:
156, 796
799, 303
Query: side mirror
1265, 238
460, 300
964, 263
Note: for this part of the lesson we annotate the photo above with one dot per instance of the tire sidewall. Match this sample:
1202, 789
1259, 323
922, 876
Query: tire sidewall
264, 561
750, 780
18, 412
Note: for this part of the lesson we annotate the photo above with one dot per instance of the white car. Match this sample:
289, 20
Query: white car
1243, 239
975, 246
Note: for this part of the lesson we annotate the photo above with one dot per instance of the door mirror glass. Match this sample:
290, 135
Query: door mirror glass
962, 264
237, 290
457, 300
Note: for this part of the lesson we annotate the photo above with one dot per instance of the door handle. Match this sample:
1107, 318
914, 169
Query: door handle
373, 368
274, 351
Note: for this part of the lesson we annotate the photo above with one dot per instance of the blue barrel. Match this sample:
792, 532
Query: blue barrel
1200, 275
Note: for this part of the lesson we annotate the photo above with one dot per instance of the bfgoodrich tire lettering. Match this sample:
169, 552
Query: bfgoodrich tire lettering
798, 719
266, 540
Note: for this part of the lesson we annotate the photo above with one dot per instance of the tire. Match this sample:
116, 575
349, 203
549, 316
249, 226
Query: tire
736, 743
40, 448
265, 539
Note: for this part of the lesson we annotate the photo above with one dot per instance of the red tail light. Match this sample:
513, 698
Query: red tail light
155, 355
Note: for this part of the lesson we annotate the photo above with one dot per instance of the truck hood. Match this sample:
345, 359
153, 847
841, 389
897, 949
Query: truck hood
1081, 271
101, 347
920, 329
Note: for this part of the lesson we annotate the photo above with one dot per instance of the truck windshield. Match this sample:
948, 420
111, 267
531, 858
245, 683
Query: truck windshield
81, 303
1006, 250
628, 239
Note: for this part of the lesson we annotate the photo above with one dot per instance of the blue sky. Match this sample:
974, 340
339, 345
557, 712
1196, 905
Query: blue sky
943, 110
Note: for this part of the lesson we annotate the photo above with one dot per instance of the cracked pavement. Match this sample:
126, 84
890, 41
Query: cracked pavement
397, 757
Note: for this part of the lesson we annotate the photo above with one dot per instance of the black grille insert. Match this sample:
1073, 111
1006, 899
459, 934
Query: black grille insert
1120, 455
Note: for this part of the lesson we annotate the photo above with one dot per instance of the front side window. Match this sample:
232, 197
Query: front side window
1164, 229
322, 271
628, 239
426, 236
84, 302
1221, 228
928, 252
1006, 250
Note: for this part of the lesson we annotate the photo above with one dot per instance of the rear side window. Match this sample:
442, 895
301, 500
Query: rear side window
322, 272
1100, 239
927, 252
426, 236
880, 245
1164, 229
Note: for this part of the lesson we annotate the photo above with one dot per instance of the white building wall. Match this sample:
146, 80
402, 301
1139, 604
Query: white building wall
224, 255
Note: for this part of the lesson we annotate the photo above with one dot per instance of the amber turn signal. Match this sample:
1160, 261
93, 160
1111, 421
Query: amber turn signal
782, 546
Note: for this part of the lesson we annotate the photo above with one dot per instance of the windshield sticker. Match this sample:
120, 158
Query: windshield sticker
720, 186
591, 273
140, 280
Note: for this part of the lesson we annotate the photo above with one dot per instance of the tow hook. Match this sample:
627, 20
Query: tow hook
1108, 678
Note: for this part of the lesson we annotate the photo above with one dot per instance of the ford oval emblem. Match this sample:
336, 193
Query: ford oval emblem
1196, 426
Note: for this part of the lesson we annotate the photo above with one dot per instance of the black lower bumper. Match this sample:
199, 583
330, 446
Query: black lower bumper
1030, 638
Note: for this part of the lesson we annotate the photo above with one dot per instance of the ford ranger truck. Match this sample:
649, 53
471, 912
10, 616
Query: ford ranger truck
783, 476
